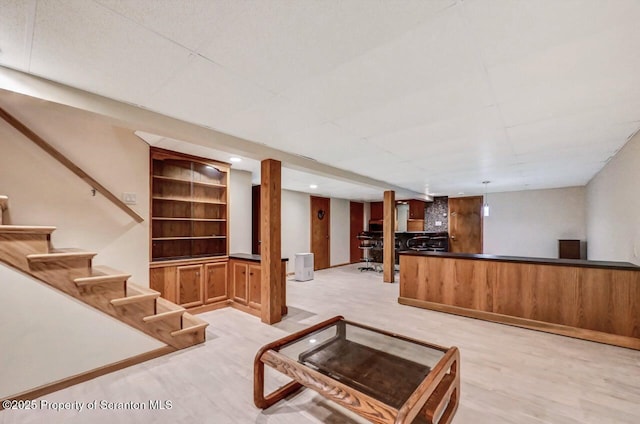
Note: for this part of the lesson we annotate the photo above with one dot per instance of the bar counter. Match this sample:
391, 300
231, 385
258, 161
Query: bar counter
591, 300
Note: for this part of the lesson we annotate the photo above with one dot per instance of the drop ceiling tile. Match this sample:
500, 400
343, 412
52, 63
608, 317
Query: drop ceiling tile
432, 103
269, 121
555, 137
472, 131
205, 93
277, 44
187, 23
323, 143
590, 72
16, 20
506, 31
84, 45
434, 53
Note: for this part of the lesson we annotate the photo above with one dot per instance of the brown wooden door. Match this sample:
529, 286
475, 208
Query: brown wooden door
357, 223
320, 216
190, 285
255, 274
215, 285
465, 224
239, 273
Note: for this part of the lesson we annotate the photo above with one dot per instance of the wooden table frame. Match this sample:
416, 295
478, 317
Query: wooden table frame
437, 397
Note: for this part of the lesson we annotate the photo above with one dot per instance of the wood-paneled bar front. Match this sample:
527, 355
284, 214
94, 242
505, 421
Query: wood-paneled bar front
591, 300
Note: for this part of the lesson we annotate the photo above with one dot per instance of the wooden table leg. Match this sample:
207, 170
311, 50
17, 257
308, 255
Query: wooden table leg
259, 399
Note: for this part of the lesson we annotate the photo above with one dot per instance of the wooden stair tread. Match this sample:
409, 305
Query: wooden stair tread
26, 229
134, 299
101, 279
163, 315
190, 329
190, 324
61, 255
135, 294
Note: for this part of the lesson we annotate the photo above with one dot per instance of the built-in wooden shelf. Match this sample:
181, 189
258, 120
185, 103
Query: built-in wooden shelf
180, 180
188, 238
188, 201
160, 218
177, 199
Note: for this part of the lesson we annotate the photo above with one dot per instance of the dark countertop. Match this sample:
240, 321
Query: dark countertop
542, 261
249, 257
430, 233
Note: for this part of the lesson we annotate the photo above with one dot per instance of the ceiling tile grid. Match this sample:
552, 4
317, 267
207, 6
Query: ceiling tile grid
444, 94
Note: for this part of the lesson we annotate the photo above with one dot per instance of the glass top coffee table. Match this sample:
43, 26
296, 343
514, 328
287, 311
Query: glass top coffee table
384, 377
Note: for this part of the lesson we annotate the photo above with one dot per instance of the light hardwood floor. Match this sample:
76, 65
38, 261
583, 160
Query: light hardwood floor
509, 374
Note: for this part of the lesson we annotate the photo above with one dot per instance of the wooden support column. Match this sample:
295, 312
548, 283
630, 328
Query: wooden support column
270, 250
389, 237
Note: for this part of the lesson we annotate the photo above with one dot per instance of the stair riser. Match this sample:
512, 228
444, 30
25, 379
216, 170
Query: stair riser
162, 329
190, 339
100, 295
133, 313
61, 274
15, 247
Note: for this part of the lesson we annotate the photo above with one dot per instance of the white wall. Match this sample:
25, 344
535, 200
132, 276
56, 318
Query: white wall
240, 212
46, 336
43, 192
613, 207
339, 230
296, 225
529, 223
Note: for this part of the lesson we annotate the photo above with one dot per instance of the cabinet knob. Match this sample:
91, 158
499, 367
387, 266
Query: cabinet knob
251, 273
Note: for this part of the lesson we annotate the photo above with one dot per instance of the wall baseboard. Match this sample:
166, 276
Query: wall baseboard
89, 375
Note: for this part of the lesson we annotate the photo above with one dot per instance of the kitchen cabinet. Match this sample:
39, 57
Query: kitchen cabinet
416, 209
376, 211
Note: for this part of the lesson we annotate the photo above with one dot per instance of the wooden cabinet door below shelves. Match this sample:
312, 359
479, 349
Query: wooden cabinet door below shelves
240, 282
164, 281
255, 276
190, 290
215, 282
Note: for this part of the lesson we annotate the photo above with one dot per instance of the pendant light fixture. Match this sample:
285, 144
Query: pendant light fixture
485, 206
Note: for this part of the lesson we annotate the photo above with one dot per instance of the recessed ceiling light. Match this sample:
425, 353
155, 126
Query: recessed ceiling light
461, 192
313, 186
235, 159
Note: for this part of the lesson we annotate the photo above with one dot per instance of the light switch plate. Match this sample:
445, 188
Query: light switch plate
438, 223
130, 198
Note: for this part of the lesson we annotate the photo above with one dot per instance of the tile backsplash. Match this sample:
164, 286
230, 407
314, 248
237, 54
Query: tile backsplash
438, 210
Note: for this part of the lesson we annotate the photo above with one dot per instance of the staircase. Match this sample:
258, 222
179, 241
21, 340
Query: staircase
29, 249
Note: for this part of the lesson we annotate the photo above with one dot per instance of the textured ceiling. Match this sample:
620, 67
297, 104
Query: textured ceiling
433, 95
